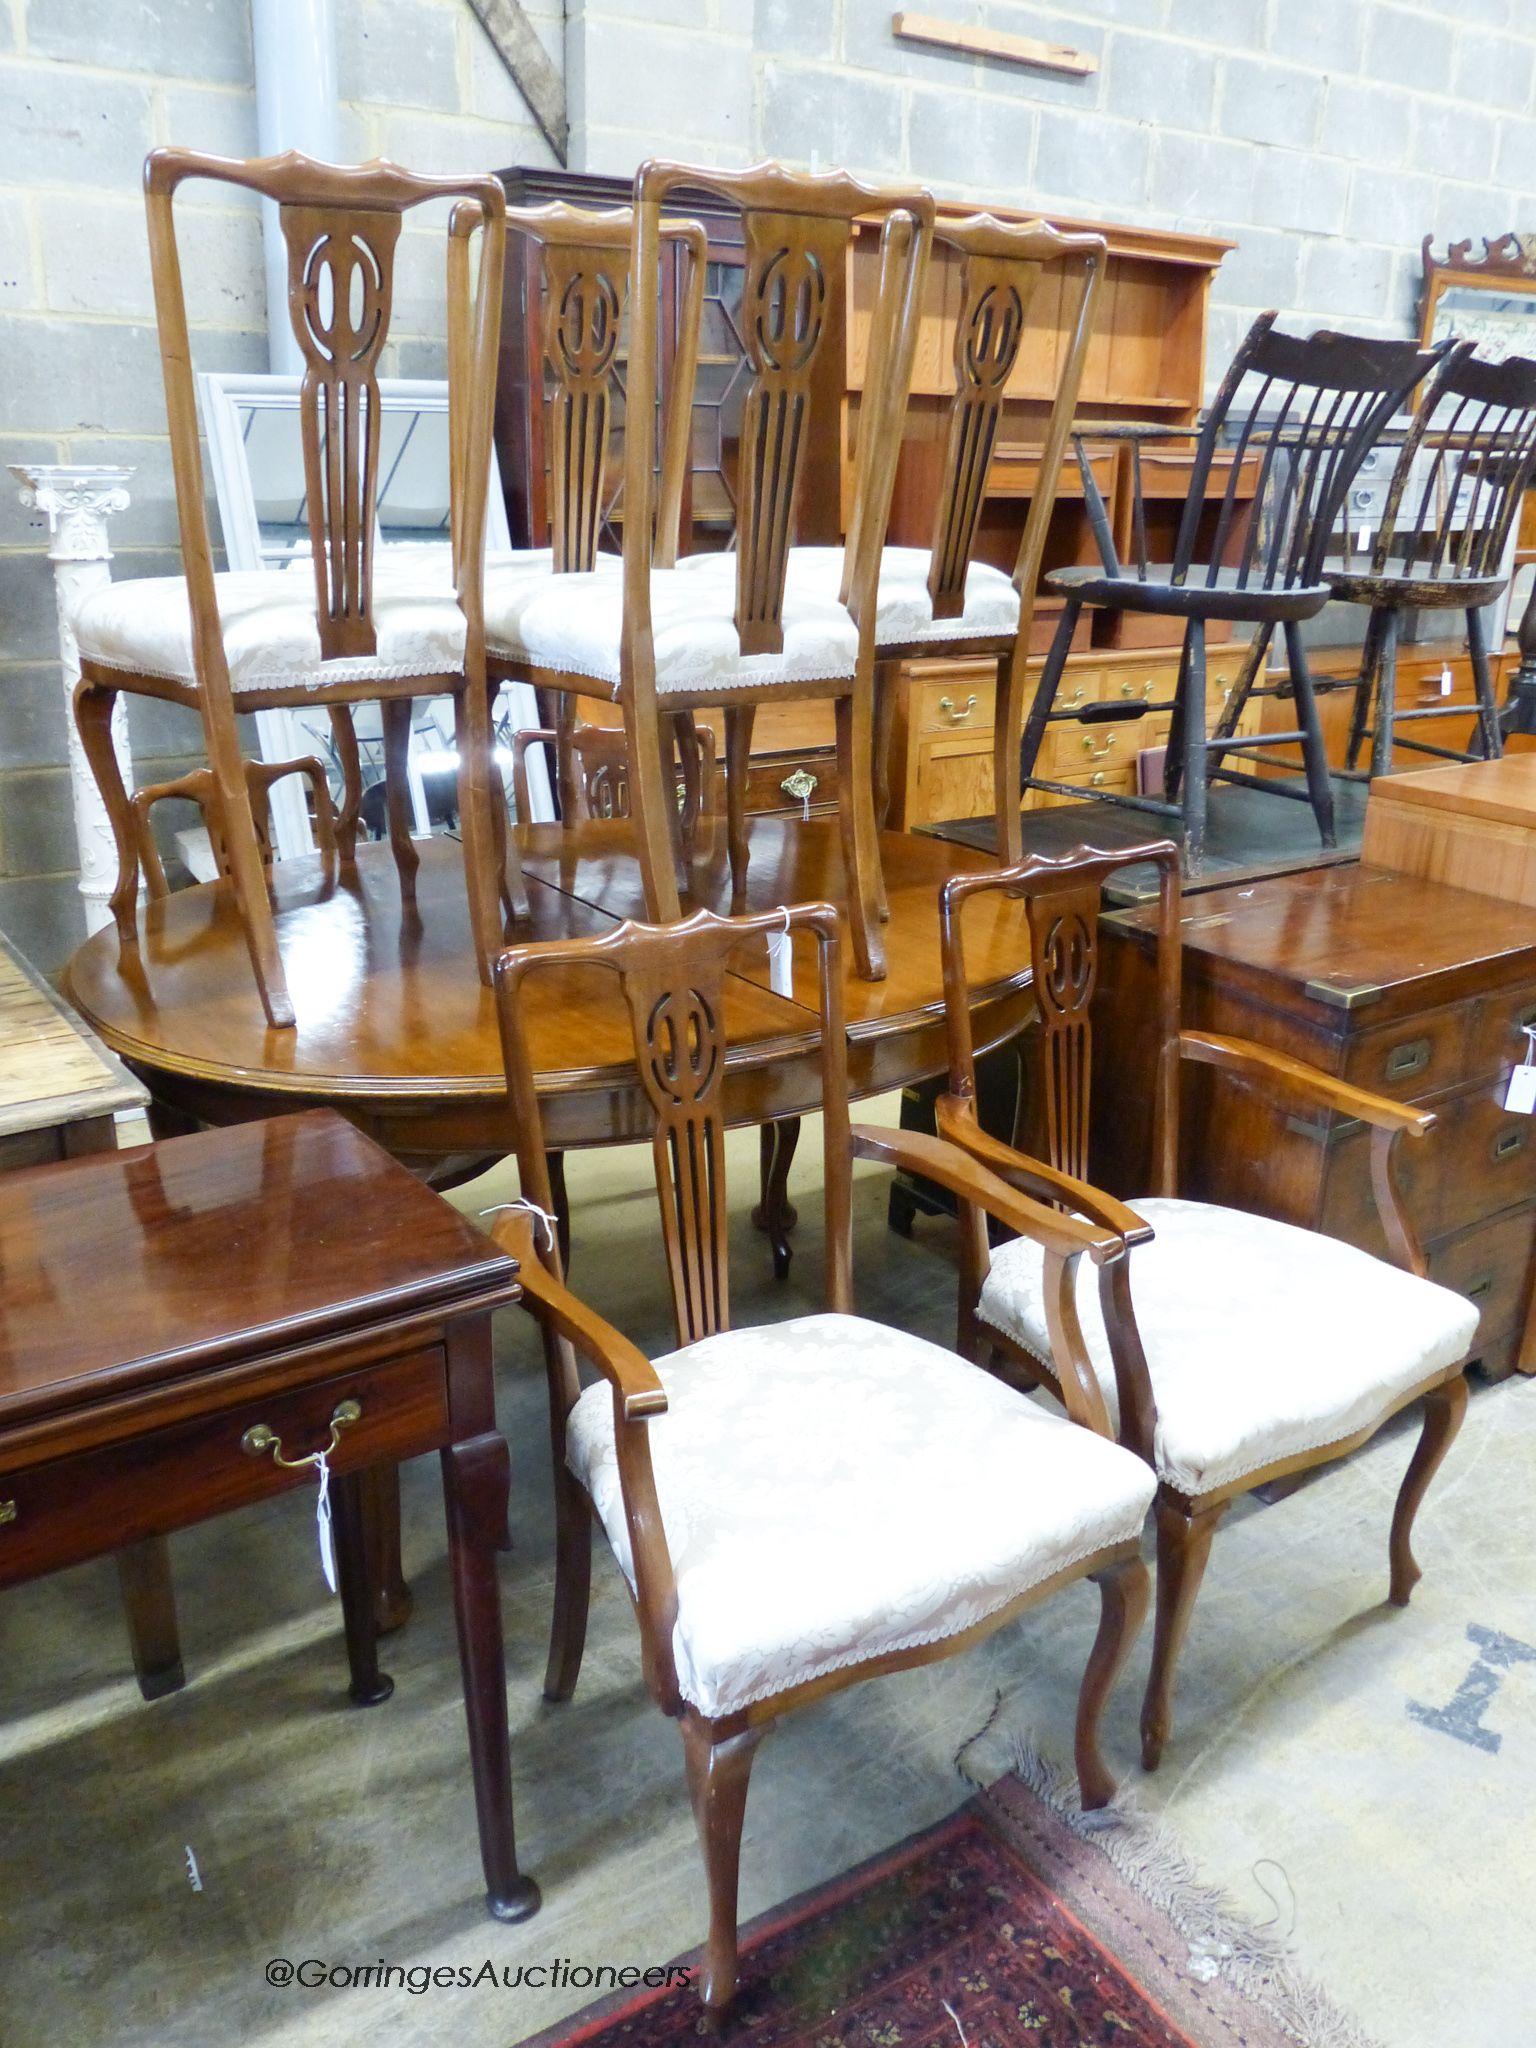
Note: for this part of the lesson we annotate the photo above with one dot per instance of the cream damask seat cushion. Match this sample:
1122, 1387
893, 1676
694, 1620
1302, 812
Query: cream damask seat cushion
1261, 1340
904, 610
271, 640
833, 1489
575, 624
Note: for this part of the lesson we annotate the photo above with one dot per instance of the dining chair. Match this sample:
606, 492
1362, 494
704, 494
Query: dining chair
1291, 423
659, 640
1230, 1350
227, 643
746, 1480
601, 763
1455, 495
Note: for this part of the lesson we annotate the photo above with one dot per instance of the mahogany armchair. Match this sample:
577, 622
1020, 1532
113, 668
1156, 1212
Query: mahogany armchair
226, 643
744, 1480
1230, 1349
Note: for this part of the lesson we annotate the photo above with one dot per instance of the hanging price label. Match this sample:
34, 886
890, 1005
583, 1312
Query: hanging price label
781, 961
1447, 681
1520, 1095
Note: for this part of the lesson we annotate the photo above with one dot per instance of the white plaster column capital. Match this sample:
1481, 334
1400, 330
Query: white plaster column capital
77, 499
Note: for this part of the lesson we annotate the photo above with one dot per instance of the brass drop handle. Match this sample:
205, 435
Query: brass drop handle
1098, 753
259, 1438
1077, 697
1130, 690
7, 1511
947, 706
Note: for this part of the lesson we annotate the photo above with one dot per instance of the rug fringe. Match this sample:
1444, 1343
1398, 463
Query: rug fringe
1223, 1941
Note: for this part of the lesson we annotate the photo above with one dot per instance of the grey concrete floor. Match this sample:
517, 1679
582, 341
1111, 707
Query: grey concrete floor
346, 1837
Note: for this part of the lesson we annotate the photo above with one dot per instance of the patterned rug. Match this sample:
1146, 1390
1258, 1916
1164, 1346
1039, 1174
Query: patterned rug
1001, 1926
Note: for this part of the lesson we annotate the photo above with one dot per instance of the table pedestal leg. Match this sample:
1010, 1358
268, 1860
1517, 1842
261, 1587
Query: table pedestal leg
149, 1606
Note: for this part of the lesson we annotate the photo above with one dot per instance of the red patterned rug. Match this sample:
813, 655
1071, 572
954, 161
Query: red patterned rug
1000, 1927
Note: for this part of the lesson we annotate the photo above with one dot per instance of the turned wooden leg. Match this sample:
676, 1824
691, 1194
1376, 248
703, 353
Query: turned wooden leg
392, 1597
650, 799
396, 715
477, 1477
349, 815
354, 1581
1183, 1546
573, 1587
1443, 1412
739, 720
93, 717
862, 880
717, 1784
149, 1607
1124, 1590
774, 1215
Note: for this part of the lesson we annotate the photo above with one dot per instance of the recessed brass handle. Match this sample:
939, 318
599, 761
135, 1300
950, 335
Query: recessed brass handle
1411, 1057
1098, 753
1483, 1284
259, 1438
1145, 690
947, 706
7, 1511
1508, 1142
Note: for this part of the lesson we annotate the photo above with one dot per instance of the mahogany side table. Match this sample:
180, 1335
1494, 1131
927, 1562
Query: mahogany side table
183, 1326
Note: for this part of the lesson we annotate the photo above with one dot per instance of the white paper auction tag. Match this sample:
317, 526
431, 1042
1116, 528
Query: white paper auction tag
1363, 540
1520, 1095
323, 1523
1447, 682
781, 963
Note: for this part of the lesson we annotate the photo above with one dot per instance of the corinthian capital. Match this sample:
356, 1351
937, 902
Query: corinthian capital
77, 500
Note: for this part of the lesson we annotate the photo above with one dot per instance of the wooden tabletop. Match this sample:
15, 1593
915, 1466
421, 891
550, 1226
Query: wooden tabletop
52, 1069
1501, 792
131, 1269
395, 1030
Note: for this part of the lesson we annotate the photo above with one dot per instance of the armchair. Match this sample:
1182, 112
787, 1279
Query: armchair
1230, 1349
745, 1480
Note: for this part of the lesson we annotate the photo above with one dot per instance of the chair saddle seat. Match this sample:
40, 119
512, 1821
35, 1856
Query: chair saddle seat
833, 1489
574, 625
1414, 590
903, 609
1194, 597
1262, 1340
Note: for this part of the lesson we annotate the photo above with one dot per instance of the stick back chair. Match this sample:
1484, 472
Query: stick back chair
1291, 423
1451, 508
744, 1480
665, 641
1230, 1349
218, 643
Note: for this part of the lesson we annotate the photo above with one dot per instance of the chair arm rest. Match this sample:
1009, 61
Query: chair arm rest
938, 1160
626, 1368
1277, 1070
957, 1124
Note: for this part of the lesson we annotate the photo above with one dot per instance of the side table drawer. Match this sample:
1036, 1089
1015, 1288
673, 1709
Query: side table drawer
1498, 1042
69, 1509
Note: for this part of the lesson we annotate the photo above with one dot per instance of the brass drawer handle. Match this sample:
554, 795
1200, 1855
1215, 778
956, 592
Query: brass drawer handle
1078, 696
947, 706
1483, 1284
259, 1438
1412, 1057
7, 1511
1097, 753
799, 785
1145, 691
1508, 1142
1097, 781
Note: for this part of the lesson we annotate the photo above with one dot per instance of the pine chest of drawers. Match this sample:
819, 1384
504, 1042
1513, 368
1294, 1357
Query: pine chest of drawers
1394, 983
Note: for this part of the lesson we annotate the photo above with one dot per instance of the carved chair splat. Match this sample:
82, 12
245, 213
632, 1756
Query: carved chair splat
218, 643
1325, 1342
647, 1456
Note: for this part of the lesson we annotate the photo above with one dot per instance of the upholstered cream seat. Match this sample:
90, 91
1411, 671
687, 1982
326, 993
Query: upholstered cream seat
834, 1489
574, 624
1262, 1341
903, 607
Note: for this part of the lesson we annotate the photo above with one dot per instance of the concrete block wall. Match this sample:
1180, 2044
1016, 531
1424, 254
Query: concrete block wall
86, 88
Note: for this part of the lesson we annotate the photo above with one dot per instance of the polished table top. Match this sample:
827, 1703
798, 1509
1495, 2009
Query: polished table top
395, 1029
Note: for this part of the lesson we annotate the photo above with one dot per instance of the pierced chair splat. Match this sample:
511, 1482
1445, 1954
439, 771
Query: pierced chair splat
228, 643
1443, 545
1229, 1349
664, 639
1272, 465
744, 1480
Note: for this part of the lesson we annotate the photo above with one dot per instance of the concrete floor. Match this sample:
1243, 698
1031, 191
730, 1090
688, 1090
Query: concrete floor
323, 1832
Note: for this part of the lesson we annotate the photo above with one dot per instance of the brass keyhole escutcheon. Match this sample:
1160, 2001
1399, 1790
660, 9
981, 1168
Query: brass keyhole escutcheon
260, 1438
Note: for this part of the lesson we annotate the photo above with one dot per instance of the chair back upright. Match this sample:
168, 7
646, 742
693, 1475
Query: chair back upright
1462, 471
1061, 895
677, 982
586, 281
341, 225
796, 230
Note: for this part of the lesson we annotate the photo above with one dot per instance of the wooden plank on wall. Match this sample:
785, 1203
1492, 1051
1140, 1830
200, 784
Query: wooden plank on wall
993, 42
528, 62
